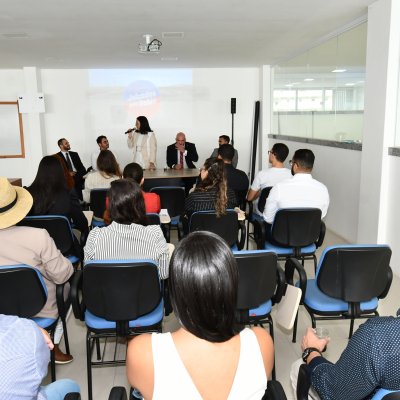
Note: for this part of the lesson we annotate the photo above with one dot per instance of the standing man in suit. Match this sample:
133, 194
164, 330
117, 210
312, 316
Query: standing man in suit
74, 164
181, 154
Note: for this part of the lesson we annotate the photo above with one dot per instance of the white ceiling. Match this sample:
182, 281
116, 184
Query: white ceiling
217, 33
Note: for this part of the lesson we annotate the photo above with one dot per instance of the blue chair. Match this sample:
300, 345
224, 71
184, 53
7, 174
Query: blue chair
24, 294
296, 232
349, 281
173, 199
59, 228
116, 298
98, 206
261, 285
226, 226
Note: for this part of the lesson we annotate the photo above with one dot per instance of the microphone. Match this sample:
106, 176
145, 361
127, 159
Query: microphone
130, 130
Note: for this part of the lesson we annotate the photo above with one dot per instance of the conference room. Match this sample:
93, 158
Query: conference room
326, 78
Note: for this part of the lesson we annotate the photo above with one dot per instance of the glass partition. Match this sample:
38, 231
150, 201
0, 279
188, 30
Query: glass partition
320, 93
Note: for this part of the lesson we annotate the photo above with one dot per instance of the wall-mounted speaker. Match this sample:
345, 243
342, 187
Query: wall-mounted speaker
233, 105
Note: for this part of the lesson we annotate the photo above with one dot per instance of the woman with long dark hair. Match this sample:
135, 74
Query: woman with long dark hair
107, 171
128, 236
212, 192
210, 356
52, 196
143, 143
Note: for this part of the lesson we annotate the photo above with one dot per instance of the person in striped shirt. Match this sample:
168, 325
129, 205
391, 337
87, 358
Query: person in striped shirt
128, 236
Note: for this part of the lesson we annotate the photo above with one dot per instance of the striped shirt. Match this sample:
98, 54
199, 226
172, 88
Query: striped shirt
125, 242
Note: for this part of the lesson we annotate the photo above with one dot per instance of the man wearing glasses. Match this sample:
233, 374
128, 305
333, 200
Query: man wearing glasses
269, 177
300, 191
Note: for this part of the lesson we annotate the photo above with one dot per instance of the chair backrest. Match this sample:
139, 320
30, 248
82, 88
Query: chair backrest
121, 290
58, 227
225, 226
23, 292
257, 277
98, 201
263, 198
354, 273
153, 219
172, 198
296, 227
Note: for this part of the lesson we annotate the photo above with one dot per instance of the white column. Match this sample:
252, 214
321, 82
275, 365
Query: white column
383, 43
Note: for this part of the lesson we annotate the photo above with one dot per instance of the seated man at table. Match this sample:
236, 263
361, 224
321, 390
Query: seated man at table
224, 139
181, 154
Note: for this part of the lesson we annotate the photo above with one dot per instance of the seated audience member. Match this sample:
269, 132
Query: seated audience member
128, 236
51, 196
299, 191
211, 193
236, 179
73, 163
370, 361
151, 200
34, 247
210, 356
103, 144
24, 358
269, 177
107, 171
224, 139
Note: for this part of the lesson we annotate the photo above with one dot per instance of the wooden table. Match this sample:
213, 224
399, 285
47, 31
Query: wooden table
171, 173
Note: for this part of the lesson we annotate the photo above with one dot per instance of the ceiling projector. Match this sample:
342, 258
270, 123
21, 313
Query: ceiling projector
152, 46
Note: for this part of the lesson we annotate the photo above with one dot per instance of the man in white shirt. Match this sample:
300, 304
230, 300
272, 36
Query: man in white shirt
269, 177
300, 191
103, 144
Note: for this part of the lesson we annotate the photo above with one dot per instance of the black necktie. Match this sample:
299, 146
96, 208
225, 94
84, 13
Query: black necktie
69, 163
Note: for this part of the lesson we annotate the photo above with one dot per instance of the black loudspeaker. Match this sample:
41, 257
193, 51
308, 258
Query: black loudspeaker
233, 105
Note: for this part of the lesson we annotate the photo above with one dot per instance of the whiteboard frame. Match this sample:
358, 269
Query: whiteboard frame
21, 132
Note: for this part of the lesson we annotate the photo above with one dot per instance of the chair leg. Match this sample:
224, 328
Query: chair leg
66, 341
98, 348
89, 365
53, 365
351, 328
271, 332
294, 336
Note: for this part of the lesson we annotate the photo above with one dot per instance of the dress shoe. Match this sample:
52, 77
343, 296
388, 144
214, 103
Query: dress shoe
61, 358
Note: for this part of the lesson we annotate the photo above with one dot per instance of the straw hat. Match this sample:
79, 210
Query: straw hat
15, 203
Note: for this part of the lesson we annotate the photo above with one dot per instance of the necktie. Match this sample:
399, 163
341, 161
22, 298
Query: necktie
69, 163
181, 158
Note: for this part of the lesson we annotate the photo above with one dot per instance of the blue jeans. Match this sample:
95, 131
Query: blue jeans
59, 389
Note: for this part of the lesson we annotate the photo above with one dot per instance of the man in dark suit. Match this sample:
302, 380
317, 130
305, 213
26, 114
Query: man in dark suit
236, 179
181, 154
73, 163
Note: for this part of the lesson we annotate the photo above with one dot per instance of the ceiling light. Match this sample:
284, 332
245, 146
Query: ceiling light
296, 83
349, 84
308, 79
339, 70
152, 46
289, 85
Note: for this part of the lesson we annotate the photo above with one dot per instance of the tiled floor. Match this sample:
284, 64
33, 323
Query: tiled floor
285, 351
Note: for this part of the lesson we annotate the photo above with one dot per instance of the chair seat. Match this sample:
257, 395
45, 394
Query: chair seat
381, 393
99, 223
44, 323
73, 259
175, 220
234, 247
318, 301
256, 217
310, 249
263, 309
97, 323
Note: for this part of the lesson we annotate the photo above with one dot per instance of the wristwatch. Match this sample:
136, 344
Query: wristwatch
308, 351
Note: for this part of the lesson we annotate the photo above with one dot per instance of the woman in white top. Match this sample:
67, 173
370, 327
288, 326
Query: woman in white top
107, 171
143, 143
210, 356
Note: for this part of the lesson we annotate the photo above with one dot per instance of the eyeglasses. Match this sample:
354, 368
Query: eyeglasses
270, 152
292, 162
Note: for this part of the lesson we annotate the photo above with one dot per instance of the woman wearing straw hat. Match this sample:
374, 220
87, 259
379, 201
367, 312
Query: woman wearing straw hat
34, 247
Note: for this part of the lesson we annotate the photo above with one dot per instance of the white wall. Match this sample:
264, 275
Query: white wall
81, 111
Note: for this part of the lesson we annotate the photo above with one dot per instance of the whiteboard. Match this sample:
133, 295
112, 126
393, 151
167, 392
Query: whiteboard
11, 131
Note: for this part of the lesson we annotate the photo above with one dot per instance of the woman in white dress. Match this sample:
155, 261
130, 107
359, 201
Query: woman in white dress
143, 143
210, 356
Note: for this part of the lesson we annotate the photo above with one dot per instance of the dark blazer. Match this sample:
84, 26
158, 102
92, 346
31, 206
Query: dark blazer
80, 170
191, 156
238, 181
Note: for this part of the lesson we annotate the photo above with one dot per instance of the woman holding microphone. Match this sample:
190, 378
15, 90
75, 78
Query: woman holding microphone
143, 143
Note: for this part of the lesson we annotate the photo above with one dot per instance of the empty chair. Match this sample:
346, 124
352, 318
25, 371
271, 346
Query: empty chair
226, 226
172, 198
116, 298
24, 294
296, 232
350, 279
59, 228
261, 285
